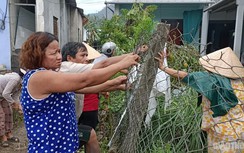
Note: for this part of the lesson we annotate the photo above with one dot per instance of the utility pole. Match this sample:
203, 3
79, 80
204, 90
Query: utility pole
106, 9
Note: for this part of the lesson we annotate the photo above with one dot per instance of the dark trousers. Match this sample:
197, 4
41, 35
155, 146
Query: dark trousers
89, 118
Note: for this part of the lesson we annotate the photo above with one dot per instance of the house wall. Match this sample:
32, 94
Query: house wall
71, 25
69, 20
20, 23
165, 11
64, 24
13, 12
25, 27
46, 10
5, 49
76, 26
40, 15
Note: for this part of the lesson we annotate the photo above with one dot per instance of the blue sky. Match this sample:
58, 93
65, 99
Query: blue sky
91, 6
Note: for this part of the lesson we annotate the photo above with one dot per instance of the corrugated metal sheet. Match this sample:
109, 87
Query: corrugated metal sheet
158, 1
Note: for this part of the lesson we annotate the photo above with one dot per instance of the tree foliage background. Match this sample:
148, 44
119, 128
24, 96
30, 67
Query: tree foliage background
127, 30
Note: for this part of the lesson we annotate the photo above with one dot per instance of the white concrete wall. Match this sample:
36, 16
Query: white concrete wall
64, 24
25, 27
69, 20
40, 12
76, 27
13, 12
5, 49
45, 11
51, 9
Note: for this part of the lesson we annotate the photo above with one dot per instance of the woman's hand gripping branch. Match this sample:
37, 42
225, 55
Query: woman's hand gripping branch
170, 71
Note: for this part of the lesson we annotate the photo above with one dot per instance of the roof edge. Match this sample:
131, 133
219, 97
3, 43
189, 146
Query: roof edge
111, 2
215, 5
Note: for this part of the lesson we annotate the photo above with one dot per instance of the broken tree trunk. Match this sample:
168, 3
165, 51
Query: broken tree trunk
138, 98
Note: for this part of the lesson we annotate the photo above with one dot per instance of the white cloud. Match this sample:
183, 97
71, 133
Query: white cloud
91, 6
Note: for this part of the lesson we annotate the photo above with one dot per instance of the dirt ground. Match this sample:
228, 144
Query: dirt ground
20, 147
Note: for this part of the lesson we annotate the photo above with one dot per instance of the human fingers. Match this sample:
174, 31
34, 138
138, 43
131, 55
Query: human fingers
118, 80
158, 59
105, 94
128, 86
161, 54
121, 79
122, 87
20, 107
136, 58
124, 71
130, 60
142, 48
14, 105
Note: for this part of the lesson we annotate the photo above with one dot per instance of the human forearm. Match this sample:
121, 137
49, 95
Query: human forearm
95, 89
110, 85
109, 61
62, 82
9, 92
130, 60
170, 71
103, 74
173, 72
116, 87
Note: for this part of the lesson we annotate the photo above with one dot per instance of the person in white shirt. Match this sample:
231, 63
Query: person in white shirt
10, 84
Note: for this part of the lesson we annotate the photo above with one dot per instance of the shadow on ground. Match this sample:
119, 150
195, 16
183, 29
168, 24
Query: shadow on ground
20, 147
